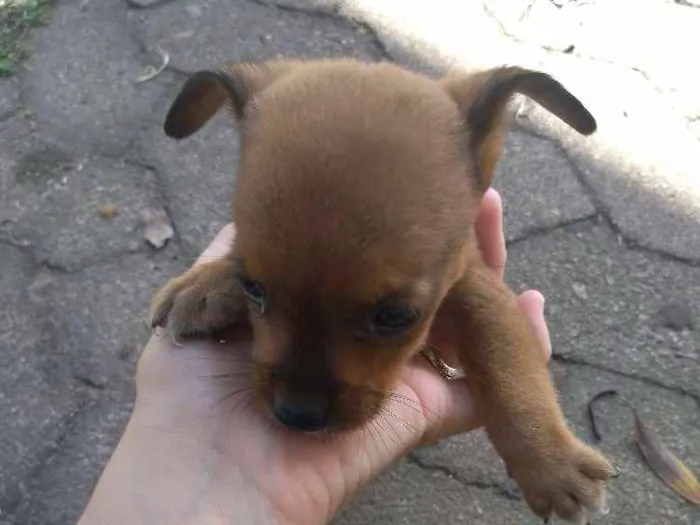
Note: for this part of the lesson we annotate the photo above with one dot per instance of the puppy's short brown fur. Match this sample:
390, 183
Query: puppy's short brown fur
355, 202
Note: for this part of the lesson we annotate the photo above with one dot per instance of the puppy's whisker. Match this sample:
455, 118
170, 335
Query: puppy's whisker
243, 403
394, 434
228, 357
375, 434
394, 396
384, 433
234, 393
230, 375
385, 394
414, 408
409, 402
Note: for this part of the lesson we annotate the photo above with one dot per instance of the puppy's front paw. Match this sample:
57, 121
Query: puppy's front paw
204, 301
567, 479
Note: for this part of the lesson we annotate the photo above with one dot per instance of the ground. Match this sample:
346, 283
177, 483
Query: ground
608, 228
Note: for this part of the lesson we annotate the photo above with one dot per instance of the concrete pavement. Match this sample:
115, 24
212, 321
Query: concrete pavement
607, 228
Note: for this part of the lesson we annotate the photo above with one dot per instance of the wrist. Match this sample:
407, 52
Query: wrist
156, 479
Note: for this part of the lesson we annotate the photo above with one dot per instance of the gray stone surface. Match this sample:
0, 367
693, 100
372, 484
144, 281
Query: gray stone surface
83, 160
38, 397
637, 496
97, 319
68, 339
93, 436
212, 34
411, 495
52, 200
197, 174
604, 302
9, 96
645, 204
673, 415
538, 186
81, 79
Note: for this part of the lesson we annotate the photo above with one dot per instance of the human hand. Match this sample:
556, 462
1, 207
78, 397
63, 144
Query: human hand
197, 449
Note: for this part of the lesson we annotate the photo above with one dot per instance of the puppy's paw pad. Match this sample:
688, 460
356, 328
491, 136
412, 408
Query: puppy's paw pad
568, 483
202, 302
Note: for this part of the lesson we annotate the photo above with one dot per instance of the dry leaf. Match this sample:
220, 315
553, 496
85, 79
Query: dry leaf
591, 413
666, 465
108, 211
157, 230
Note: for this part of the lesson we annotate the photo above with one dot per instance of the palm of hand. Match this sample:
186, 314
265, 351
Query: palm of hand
198, 398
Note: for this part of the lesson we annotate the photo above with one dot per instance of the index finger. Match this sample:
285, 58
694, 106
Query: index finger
220, 246
489, 232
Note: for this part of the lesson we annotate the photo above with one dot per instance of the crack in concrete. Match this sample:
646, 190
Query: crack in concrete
335, 15
318, 13
495, 488
572, 361
98, 261
603, 210
37, 262
175, 70
25, 250
163, 195
568, 51
43, 460
11, 113
153, 5
539, 231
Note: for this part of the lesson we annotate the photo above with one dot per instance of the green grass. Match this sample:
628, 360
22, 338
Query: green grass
17, 17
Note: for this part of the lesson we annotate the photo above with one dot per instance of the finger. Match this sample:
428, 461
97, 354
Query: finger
458, 413
531, 303
489, 231
220, 246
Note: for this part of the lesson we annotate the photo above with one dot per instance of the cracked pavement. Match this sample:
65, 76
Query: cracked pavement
608, 228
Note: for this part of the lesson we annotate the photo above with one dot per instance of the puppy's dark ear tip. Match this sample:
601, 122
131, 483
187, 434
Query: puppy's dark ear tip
587, 125
175, 130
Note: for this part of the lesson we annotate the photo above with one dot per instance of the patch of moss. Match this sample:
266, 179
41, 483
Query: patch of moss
17, 18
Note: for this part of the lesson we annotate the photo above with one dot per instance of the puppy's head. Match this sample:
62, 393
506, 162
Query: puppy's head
354, 206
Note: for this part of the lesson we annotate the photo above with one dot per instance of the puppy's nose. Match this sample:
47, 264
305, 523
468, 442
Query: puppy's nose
302, 415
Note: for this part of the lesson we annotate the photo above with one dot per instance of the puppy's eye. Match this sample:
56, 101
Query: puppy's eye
394, 319
254, 290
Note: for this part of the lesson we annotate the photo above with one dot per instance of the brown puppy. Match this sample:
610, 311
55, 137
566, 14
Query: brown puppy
355, 200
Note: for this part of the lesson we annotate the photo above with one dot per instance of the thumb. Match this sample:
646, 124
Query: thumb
532, 304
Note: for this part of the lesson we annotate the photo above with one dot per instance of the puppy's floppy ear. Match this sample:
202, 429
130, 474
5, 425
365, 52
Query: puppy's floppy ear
205, 92
482, 98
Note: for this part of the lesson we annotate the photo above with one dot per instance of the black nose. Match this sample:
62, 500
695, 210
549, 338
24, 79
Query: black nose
307, 416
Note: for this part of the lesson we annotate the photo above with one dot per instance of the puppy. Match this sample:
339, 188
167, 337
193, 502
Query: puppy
355, 201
